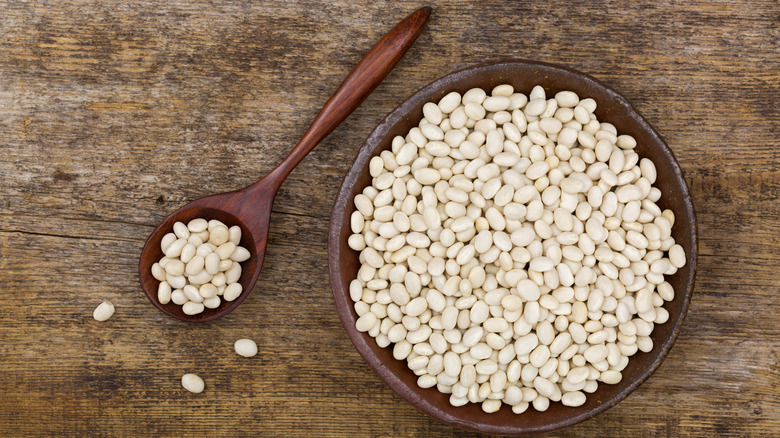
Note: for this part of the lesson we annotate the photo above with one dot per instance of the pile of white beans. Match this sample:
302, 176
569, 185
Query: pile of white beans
201, 265
512, 249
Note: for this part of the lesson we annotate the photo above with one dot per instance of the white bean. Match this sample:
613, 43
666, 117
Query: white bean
103, 311
178, 297
197, 225
174, 249
233, 273
192, 293
432, 113
574, 398
167, 240
192, 383
212, 303
449, 102
245, 347
195, 265
211, 262
232, 291
677, 256
234, 233
192, 308
225, 250
200, 278
164, 292
181, 231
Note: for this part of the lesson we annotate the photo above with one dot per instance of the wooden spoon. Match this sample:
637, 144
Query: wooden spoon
250, 207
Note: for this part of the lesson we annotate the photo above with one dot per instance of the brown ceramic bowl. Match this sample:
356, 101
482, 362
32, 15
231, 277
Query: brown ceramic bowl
613, 108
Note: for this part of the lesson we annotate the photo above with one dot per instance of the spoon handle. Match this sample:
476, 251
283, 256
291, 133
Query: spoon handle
371, 70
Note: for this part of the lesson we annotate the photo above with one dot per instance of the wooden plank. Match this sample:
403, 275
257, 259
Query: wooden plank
112, 114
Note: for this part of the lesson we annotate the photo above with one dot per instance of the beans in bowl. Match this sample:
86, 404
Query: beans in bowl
512, 250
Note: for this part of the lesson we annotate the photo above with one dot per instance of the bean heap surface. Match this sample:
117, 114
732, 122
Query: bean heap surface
201, 265
512, 250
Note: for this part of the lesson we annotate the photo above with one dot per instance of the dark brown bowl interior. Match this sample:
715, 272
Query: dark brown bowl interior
613, 108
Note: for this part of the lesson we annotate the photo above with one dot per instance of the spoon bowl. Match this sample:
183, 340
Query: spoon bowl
250, 207
253, 238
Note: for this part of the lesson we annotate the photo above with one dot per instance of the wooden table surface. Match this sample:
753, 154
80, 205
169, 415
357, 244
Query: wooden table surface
113, 114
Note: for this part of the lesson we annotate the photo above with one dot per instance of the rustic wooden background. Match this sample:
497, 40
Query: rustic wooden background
113, 114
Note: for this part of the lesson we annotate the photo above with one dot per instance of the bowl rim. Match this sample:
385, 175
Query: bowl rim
344, 304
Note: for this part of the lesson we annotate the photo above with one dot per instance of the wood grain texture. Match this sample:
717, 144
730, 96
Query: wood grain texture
113, 114
250, 207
